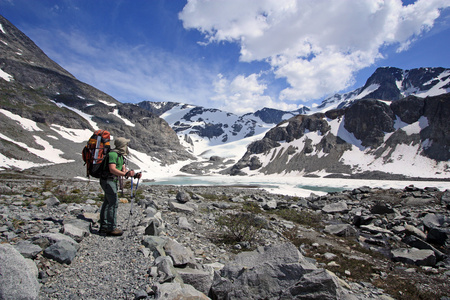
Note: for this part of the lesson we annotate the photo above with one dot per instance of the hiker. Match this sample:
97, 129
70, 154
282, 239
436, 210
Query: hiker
109, 183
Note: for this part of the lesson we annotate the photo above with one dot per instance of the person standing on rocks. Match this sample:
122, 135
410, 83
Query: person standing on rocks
109, 182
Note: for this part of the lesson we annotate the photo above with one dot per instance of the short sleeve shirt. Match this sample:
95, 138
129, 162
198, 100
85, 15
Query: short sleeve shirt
116, 159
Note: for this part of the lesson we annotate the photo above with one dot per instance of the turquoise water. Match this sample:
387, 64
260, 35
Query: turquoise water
237, 181
325, 189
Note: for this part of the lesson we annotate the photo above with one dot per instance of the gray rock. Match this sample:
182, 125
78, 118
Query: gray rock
414, 256
375, 229
17, 279
199, 279
53, 238
28, 249
184, 223
155, 244
341, 230
318, 284
180, 254
270, 205
445, 199
339, 207
433, 220
165, 270
179, 207
416, 242
183, 197
438, 236
76, 229
415, 231
52, 201
175, 290
261, 274
62, 252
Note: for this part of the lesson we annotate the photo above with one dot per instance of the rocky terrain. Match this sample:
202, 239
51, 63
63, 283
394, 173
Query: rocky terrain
223, 243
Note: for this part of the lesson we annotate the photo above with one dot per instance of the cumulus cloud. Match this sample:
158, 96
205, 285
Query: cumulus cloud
242, 94
317, 46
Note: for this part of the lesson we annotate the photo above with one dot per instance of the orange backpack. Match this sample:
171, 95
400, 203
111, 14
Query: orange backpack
95, 151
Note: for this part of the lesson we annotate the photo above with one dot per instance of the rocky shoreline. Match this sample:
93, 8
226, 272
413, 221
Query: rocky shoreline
223, 243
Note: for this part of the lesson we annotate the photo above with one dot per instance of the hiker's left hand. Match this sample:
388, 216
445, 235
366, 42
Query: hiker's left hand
138, 175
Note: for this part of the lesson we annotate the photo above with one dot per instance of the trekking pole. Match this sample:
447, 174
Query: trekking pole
133, 195
131, 205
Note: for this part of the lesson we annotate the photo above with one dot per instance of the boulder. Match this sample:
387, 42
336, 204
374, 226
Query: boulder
433, 220
28, 249
53, 238
155, 244
318, 284
183, 197
165, 270
414, 256
180, 207
261, 274
175, 290
438, 236
180, 254
184, 223
199, 279
339, 207
18, 279
62, 252
341, 230
52, 201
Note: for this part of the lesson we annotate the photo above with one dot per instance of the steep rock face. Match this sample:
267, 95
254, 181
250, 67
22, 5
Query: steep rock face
436, 135
409, 109
386, 78
368, 120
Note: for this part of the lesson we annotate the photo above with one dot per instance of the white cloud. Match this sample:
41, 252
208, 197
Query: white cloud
243, 95
316, 45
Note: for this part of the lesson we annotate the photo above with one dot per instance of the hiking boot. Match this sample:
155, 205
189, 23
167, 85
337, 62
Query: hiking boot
115, 232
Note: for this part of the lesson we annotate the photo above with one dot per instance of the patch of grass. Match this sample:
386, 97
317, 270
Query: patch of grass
300, 217
294, 238
66, 198
215, 197
405, 289
252, 207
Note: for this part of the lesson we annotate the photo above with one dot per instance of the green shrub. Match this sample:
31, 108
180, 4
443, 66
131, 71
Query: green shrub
240, 227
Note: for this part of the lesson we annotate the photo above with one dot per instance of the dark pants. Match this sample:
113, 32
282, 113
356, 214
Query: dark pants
108, 212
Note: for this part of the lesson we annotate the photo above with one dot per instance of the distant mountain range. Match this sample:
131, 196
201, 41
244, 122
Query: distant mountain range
395, 125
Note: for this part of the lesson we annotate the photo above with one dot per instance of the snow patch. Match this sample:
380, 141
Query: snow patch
25, 123
79, 112
49, 153
370, 89
107, 103
6, 76
1, 29
74, 135
126, 121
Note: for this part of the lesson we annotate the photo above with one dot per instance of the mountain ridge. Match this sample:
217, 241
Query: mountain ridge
48, 115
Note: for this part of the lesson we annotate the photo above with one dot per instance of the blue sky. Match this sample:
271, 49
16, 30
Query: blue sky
236, 55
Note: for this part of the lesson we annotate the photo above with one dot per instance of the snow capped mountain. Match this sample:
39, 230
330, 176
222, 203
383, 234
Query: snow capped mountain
201, 130
395, 125
368, 139
392, 84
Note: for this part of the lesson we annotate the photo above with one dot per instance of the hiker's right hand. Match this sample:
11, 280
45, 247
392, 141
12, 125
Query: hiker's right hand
129, 174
